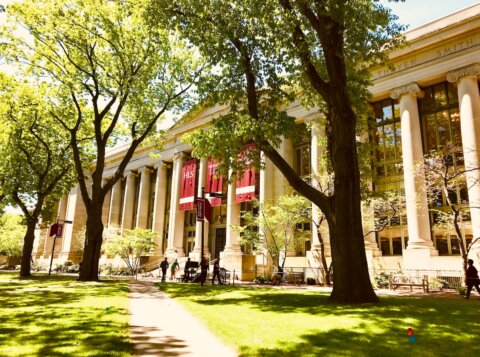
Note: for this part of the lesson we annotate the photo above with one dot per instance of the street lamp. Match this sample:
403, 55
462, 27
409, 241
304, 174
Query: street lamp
203, 213
56, 230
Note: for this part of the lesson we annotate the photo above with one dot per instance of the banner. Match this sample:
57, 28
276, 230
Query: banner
245, 188
203, 209
187, 189
214, 183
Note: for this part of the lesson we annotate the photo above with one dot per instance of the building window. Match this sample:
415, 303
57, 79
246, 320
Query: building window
440, 124
189, 230
386, 136
440, 117
301, 152
393, 240
302, 242
387, 139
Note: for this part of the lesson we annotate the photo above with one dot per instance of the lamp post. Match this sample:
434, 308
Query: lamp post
203, 270
203, 213
57, 230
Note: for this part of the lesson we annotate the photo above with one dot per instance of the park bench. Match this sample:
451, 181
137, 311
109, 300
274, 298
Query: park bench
409, 280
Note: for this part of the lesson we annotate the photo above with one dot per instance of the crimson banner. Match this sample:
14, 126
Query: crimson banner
187, 190
214, 183
245, 188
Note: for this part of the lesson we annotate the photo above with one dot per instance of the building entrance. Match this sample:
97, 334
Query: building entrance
220, 239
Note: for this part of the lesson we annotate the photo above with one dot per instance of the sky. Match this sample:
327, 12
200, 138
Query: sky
419, 12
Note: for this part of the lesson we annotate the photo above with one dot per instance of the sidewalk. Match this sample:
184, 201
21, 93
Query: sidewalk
161, 327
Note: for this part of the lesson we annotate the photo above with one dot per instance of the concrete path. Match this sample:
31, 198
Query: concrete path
161, 327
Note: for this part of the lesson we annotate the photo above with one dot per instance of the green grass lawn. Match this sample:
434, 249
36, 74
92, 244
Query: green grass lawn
58, 316
273, 322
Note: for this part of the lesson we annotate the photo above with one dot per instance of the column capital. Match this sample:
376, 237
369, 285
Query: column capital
179, 156
411, 88
145, 169
162, 165
130, 173
471, 70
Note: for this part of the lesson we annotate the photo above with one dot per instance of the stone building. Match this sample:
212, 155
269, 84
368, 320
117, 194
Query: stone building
429, 95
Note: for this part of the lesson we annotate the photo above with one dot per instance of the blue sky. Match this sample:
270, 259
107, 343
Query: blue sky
419, 12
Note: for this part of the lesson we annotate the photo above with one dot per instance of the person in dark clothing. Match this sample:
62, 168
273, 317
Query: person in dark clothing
472, 278
216, 271
203, 270
186, 271
164, 267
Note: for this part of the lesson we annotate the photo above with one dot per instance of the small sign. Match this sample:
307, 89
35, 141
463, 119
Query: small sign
200, 206
59, 231
53, 229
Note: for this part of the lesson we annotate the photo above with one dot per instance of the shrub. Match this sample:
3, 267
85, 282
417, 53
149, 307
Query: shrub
437, 284
261, 279
381, 280
462, 290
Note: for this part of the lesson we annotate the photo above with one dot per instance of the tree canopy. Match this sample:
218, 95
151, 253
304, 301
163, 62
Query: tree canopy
266, 51
117, 75
36, 166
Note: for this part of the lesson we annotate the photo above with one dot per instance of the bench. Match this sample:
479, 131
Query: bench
295, 278
409, 280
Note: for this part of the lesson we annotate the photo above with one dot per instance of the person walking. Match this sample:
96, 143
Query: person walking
173, 269
216, 271
186, 271
164, 267
472, 278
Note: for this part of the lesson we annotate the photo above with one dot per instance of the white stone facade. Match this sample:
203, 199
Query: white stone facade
443, 53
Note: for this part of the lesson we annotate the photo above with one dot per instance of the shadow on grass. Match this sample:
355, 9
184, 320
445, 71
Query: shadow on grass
443, 327
59, 316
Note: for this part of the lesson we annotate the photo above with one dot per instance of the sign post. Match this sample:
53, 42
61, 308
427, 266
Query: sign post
56, 230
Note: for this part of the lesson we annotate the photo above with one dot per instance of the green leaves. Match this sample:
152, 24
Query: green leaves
35, 162
129, 245
12, 230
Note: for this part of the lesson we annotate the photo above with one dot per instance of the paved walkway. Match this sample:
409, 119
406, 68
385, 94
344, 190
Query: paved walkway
161, 327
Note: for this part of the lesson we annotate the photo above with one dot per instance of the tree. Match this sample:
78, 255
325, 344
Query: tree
266, 51
277, 230
118, 77
130, 245
445, 176
36, 165
12, 231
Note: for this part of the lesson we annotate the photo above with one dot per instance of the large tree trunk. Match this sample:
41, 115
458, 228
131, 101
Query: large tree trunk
25, 267
351, 280
93, 243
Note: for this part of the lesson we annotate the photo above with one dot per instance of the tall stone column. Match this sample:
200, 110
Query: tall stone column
159, 207
317, 149
419, 236
265, 195
143, 198
232, 255
277, 180
202, 178
469, 102
115, 201
128, 201
106, 207
266, 180
232, 243
177, 217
